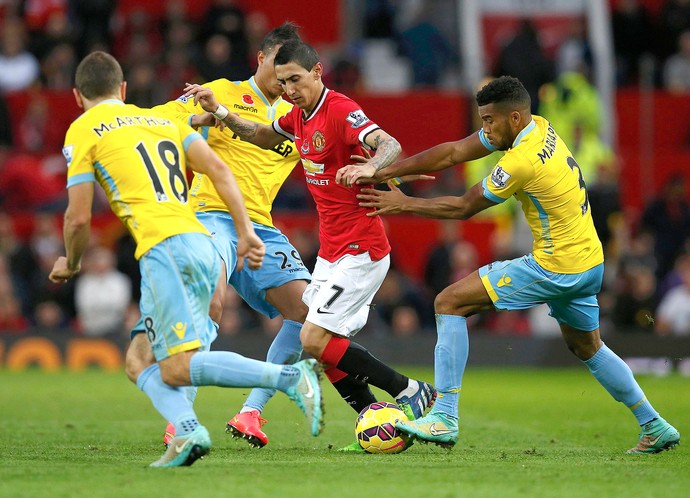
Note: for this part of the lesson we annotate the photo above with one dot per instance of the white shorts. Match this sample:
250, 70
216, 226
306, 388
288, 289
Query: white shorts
340, 293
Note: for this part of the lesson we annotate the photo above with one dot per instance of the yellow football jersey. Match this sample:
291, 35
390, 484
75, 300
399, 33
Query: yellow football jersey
259, 173
138, 157
542, 174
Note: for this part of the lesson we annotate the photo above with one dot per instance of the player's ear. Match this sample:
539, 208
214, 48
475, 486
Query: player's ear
77, 97
123, 90
317, 70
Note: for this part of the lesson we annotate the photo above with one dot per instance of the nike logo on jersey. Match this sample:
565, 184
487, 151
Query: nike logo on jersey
322, 312
505, 281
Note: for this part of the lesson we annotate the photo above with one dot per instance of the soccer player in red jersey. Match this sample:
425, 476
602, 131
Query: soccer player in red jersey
329, 129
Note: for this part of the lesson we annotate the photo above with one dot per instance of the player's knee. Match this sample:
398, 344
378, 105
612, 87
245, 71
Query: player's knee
297, 313
216, 309
170, 376
133, 367
445, 304
583, 349
175, 369
139, 356
312, 342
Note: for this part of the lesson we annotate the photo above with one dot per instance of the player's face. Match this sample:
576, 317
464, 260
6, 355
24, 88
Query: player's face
302, 86
497, 126
266, 73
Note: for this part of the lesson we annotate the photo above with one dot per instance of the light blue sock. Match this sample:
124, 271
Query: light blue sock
450, 358
171, 402
617, 378
227, 369
191, 391
285, 349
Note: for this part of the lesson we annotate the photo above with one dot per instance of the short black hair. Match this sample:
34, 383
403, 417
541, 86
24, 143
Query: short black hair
505, 89
98, 75
299, 52
279, 36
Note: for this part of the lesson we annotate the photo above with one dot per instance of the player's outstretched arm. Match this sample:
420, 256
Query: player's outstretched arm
437, 158
258, 134
205, 161
448, 207
76, 232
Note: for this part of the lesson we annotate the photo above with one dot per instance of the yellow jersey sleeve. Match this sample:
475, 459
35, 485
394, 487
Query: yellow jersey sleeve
510, 174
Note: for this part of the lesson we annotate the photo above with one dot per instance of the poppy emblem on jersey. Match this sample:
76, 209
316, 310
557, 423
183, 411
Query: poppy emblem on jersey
305, 147
357, 118
499, 177
318, 140
247, 99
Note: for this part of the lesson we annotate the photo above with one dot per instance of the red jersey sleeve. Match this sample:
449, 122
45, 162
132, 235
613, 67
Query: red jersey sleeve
285, 125
350, 121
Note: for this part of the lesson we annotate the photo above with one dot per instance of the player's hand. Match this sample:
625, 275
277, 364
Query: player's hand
205, 119
202, 96
60, 272
251, 248
383, 201
355, 174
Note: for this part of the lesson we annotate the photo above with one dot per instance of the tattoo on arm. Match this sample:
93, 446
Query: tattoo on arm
246, 130
387, 151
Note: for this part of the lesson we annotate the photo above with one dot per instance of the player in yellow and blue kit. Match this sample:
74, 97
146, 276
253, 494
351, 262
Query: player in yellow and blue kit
277, 287
139, 158
564, 270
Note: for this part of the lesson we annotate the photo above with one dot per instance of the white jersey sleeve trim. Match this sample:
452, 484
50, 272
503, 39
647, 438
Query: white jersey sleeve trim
363, 134
276, 127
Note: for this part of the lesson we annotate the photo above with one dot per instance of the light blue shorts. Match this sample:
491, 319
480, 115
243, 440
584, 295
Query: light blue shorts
178, 278
282, 262
522, 283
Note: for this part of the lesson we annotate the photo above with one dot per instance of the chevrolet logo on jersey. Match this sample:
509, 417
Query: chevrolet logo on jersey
180, 329
311, 168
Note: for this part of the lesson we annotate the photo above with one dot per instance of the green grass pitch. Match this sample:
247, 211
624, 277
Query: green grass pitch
524, 432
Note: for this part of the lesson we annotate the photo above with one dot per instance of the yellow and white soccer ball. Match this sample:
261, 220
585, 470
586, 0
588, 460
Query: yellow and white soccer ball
375, 428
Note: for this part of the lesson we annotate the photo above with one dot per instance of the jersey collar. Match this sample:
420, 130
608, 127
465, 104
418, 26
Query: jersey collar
271, 108
318, 105
527, 129
111, 101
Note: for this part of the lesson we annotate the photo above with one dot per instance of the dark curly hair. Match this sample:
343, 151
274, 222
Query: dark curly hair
505, 89
279, 36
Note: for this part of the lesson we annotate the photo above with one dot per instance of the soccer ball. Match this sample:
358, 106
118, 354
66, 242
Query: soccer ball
375, 428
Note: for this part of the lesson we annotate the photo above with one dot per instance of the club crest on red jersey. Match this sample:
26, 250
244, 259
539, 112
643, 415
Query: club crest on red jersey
247, 99
318, 140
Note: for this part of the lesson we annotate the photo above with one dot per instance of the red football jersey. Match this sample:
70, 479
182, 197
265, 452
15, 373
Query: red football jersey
326, 138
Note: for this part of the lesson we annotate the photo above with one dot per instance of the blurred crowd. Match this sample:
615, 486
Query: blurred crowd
647, 284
